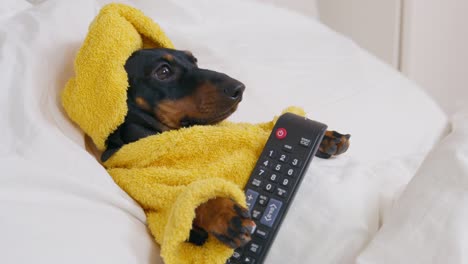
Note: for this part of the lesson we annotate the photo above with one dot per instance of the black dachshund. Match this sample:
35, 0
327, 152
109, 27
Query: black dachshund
168, 91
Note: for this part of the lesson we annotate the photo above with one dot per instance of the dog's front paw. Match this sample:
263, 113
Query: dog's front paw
333, 143
225, 220
234, 228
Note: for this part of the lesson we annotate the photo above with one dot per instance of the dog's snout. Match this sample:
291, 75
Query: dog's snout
235, 92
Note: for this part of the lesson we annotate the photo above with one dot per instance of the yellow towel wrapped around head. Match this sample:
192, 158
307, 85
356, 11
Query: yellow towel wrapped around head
169, 174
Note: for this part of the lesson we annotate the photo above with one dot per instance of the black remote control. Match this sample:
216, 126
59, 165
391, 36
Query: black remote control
275, 179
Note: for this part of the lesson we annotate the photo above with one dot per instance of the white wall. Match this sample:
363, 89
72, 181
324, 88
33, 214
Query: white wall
435, 49
426, 39
373, 24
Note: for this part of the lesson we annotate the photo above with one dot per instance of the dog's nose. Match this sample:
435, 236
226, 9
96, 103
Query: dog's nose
235, 92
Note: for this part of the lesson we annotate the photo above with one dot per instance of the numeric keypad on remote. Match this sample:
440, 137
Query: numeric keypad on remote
275, 179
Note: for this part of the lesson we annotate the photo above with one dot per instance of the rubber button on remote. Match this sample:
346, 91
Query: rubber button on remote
236, 255
305, 142
296, 162
281, 133
283, 158
274, 177
251, 198
269, 188
256, 214
255, 248
291, 172
278, 167
260, 172
256, 182
263, 200
266, 163
248, 260
281, 192
286, 182
271, 212
261, 233
272, 153
288, 148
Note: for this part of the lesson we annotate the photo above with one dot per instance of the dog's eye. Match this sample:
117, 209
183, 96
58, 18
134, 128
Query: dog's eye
163, 72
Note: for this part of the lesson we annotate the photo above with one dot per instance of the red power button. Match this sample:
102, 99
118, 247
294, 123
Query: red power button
281, 133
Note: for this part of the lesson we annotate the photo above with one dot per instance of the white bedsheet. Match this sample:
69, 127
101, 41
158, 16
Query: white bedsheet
59, 206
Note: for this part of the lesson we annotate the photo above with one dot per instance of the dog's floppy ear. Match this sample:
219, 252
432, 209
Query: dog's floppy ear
137, 125
108, 153
114, 142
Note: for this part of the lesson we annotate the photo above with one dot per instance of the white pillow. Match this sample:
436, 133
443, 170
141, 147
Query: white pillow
9, 8
58, 205
429, 222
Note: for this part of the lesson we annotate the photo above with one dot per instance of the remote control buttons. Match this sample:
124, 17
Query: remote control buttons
296, 162
269, 188
261, 233
256, 182
281, 133
248, 260
272, 153
260, 172
283, 158
281, 192
274, 177
266, 163
305, 142
256, 214
263, 200
251, 197
236, 255
288, 148
255, 248
278, 167
290, 172
286, 182
271, 212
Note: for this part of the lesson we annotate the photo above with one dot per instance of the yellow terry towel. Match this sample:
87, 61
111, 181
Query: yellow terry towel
172, 173
169, 174
96, 97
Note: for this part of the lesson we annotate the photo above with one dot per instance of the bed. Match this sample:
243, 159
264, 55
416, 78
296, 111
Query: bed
376, 204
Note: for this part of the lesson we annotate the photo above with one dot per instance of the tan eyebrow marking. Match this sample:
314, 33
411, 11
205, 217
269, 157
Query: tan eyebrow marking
141, 102
168, 57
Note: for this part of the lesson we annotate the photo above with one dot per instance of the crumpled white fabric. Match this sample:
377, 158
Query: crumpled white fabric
429, 223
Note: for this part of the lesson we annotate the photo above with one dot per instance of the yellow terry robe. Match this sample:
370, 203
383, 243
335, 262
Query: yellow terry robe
169, 174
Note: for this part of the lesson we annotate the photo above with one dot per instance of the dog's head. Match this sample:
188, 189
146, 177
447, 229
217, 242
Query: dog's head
169, 85
167, 91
